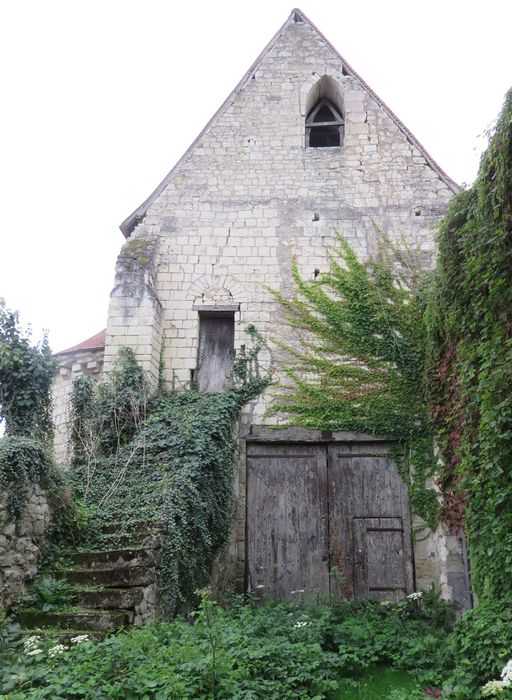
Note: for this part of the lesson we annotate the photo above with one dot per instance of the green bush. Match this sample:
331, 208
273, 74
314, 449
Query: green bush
482, 645
243, 653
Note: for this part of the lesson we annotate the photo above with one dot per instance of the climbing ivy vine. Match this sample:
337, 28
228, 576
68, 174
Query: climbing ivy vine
358, 363
470, 362
168, 461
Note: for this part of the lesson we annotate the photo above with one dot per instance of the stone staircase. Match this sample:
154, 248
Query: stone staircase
112, 588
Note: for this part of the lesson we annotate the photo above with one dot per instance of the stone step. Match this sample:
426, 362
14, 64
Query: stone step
110, 578
127, 541
114, 558
136, 529
110, 598
100, 620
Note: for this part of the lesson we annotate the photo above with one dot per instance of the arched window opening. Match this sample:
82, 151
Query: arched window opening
324, 125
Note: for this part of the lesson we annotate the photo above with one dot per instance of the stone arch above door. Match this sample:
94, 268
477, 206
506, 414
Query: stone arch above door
216, 289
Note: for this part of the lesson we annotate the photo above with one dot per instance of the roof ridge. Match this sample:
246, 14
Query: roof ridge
137, 215
410, 136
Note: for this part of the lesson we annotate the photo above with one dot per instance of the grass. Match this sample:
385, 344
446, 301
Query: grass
381, 683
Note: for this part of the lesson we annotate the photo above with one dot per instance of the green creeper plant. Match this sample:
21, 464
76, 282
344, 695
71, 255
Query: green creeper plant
358, 363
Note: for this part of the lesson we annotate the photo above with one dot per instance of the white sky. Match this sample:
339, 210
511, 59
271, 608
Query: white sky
99, 98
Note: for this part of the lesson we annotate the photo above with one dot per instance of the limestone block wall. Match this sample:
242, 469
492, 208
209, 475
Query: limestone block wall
135, 309
21, 544
439, 559
71, 365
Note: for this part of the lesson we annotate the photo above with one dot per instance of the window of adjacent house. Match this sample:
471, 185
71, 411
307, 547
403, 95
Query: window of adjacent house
324, 125
216, 350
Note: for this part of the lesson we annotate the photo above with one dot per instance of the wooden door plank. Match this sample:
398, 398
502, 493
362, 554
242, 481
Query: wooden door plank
365, 487
287, 519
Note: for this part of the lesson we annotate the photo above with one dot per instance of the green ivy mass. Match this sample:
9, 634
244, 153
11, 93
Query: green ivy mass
358, 363
168, 460
470, 327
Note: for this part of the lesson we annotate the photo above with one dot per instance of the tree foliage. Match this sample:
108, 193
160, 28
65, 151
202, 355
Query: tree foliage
358, 364
26, 375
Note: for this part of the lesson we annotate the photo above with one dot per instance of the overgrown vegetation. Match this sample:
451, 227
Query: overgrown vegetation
360, 365
470, 366
168, 461
26, 373
470, 325
274, 652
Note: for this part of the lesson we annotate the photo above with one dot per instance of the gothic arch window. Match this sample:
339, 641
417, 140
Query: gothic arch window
324, 125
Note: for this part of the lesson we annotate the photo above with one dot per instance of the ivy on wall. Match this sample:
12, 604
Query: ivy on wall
358, 363
167, 461
470, 361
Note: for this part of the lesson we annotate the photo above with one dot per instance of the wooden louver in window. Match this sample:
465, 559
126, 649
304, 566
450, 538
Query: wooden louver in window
324, 126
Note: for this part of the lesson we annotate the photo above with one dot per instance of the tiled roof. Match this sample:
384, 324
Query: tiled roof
95, 342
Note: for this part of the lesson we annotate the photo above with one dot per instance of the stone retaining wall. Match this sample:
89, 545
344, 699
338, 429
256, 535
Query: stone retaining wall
21, 544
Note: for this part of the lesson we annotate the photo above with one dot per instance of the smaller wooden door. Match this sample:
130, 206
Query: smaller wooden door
379, 564
216, 351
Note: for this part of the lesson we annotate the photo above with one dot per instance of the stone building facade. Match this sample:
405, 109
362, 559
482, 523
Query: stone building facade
84, 359
301, 148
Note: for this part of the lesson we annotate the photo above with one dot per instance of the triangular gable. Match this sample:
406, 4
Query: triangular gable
296, 16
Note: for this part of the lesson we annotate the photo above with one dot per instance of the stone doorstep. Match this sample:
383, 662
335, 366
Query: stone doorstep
114, 558
103, 620
111, 578
110, 598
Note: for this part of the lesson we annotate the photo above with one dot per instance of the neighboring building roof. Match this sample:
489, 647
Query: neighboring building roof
296, 16
95, 342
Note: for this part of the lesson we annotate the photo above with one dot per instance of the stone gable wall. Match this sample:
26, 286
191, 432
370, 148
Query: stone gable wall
250, 197
247, 200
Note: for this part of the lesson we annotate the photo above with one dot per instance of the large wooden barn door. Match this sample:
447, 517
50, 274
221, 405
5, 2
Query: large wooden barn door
330, 518
287, 528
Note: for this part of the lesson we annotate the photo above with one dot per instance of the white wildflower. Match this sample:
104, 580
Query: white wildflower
57, 649
415, 596
299, 590
299, 625
493, 687
506, 674
31, 642
80, 638
33, 652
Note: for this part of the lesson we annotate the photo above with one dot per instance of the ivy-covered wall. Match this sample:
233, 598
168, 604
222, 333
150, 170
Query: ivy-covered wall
470, 363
